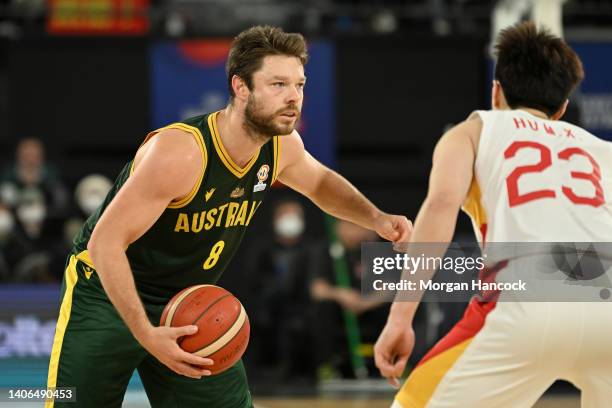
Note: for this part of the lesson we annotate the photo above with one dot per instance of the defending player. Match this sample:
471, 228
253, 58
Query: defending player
523, 176
175, 218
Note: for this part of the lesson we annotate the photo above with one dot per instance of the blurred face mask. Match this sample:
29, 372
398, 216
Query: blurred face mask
6, 222
31, 213
289, 226
90, 202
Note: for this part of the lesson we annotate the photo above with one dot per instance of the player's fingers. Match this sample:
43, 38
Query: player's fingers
196, 360
394, 382
388, 230
183, 331
401, 245
399, 366
405, 230
190, 371
384, 364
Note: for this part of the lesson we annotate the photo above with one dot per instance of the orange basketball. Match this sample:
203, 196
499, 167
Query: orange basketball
223, 325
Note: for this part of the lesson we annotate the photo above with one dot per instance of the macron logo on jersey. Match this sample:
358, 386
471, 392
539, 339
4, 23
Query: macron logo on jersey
209, 193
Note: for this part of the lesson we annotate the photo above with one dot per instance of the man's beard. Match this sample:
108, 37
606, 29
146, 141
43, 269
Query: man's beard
260, 126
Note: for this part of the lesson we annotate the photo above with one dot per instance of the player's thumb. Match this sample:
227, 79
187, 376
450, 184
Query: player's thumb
399, 366
184, 331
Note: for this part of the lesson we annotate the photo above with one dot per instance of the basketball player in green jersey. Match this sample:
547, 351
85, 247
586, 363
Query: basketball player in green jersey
175, 218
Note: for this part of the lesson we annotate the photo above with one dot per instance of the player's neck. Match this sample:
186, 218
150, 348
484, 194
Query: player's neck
534, 112
239, 144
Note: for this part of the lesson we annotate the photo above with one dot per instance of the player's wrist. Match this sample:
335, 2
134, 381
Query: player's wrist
143, 332
402, 312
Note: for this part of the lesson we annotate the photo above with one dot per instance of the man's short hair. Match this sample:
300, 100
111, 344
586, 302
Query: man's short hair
535, 68
251, 46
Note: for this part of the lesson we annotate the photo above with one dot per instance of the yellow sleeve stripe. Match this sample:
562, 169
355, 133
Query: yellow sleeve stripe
222, 152
146, 139
200, 140
277, 142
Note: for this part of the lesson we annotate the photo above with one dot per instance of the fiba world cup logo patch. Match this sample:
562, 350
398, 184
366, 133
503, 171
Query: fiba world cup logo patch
262, 175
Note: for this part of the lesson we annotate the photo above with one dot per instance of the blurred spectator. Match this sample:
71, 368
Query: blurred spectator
13, 246
89, 195
277, 298
331, 300
31, 216
91, 192
31, 172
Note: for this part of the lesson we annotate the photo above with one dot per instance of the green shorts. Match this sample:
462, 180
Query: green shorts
94, 351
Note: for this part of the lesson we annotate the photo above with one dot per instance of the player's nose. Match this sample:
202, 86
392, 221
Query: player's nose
294, 94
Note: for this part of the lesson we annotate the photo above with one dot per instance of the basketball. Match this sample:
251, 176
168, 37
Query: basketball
223, 325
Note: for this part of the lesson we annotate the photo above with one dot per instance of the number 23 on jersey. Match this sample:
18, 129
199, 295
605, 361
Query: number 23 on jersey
516, 198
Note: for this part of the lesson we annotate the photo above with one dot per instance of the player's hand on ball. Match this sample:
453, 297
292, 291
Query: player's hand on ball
395, 228
161, 342
392, 349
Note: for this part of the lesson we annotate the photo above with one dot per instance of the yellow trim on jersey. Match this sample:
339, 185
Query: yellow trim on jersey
85, 258
277, 141
424, 379
62, 323
146, 139
200, 140
473, 207
223, 154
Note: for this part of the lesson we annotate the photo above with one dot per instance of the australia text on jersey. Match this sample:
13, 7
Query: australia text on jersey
218, 217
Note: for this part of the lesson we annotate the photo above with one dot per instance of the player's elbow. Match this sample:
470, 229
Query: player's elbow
444, 201
94, 246
100, 245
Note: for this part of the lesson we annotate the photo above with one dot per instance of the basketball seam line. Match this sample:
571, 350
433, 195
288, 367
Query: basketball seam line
181, 296
202, 314
232, 327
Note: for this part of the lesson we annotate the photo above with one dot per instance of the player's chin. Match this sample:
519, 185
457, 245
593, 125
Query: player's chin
285, 128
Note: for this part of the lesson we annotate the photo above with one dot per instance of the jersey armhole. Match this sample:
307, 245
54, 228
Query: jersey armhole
478, 115
195, 132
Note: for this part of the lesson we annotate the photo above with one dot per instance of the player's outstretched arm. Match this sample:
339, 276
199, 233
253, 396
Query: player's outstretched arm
333, 193
449, 182
166, 168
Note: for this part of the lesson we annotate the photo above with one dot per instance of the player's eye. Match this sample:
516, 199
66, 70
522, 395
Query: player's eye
279, 84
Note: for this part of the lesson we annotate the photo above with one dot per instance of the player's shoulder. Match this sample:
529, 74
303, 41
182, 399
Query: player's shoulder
293, 137
470, 127
174, 147
176, 140
291, 149
291, 143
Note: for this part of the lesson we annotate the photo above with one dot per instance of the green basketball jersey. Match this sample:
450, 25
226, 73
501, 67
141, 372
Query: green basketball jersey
195, 238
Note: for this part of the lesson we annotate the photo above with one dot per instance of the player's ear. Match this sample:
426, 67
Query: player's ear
495, 95
241, 90
558, 114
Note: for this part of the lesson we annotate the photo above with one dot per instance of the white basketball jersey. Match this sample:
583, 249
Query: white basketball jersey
540, 180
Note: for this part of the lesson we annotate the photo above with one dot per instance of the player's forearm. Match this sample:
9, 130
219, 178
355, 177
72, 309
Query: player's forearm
115, 274
435, 224
337, 196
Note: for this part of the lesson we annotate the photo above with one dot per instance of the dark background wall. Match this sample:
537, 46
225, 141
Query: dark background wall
86, 98
394, 100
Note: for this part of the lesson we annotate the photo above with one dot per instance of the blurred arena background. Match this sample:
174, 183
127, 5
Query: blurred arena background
83, 81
